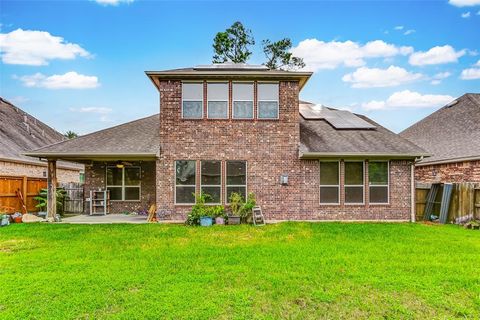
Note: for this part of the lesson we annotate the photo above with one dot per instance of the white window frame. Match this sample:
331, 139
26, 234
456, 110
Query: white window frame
123, 186
211, 185
234, 100
380, 185
182, 185
354, 185
277, 101
235, 185
329, 185
183, 99
228, 99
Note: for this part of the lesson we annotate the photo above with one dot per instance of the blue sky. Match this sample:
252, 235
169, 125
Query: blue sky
79, 65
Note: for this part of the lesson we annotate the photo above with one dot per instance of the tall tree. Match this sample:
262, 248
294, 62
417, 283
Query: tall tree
70, 134
279, 57
232, 44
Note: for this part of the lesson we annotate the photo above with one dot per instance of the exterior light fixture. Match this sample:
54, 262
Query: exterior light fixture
284, 179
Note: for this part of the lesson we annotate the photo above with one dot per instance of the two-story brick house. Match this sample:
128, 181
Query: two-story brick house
242, 128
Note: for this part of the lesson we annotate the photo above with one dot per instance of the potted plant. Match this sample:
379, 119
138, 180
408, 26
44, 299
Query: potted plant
246, 211
219, 213
236, 202
200, 214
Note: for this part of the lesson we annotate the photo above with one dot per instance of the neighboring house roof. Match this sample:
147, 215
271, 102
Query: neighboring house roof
21, 132
450, 134
222, 71
138, 139
319, 138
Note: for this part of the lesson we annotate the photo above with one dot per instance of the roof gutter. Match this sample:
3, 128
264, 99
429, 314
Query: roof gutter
89, 155
359, 155
41, 163
474, 158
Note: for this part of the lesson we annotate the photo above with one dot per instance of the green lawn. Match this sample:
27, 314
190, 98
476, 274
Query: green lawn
289, 270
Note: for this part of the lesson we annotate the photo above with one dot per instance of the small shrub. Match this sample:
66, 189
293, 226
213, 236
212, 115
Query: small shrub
200, 209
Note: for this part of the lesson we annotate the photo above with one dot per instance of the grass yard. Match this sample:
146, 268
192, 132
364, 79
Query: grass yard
289, 270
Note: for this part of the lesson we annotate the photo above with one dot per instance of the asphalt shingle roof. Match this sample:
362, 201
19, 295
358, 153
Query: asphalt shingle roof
142, 136
21, 132
318, 136
135, 137
450, 133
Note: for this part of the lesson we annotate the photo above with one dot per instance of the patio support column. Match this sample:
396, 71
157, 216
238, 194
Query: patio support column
52, 190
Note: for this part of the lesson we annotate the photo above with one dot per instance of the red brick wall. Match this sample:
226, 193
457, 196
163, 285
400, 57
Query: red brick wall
270, 148
467, 171
95, 178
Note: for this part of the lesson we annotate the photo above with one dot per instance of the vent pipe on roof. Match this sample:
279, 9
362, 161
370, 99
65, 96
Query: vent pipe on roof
451, 104
25, 118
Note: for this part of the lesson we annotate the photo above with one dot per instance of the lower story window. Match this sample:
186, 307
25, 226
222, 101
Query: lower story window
378, 181
185, 181
123, 183
354, 173
211, 180
236, 178
329, 182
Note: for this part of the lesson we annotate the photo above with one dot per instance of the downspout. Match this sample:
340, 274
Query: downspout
412, 190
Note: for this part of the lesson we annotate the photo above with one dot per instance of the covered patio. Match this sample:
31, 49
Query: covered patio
108, 155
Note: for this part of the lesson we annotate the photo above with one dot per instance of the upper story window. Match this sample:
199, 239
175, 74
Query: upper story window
242, 100
217, 105
192, 100
267, 94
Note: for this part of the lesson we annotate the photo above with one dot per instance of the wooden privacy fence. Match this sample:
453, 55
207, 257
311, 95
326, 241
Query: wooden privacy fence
465, 201
28, 187
74, 201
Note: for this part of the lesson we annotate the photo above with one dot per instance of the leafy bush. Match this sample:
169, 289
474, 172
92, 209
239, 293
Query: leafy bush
42, 199
240, 207
200, 209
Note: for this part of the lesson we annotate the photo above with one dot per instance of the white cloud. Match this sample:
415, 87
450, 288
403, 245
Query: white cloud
436, 55
408, 99
36, 48
69, 80
329, 55
102, 112
374, 77
409, 31
466, 15
399, 27
470, 74
464, 3
477, 64
112, 2
437, 78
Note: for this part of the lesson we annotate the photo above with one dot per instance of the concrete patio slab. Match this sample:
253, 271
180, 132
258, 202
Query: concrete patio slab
108, 219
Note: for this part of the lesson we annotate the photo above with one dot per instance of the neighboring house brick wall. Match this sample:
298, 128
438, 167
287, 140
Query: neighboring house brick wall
37, 171
270, 148
466, 171
95, 176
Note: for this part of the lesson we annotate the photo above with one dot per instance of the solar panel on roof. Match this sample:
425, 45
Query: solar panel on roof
339, 119
230, 66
